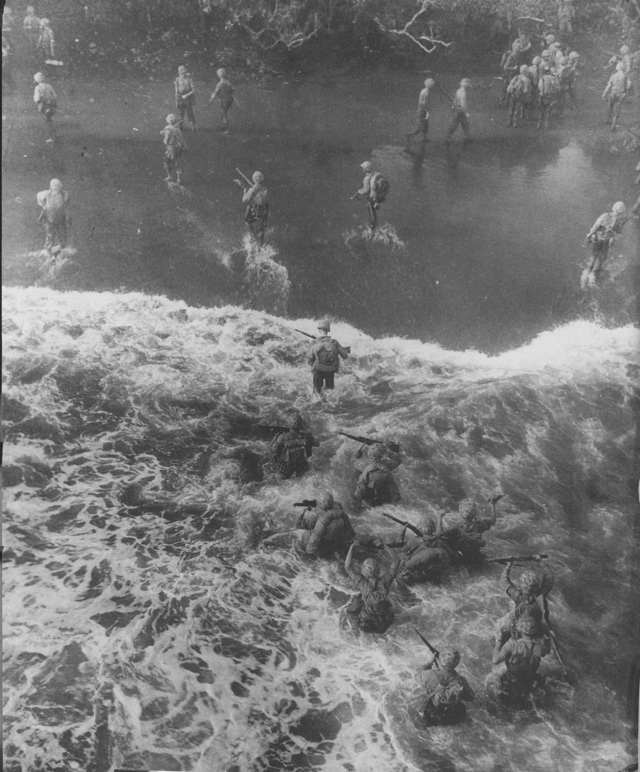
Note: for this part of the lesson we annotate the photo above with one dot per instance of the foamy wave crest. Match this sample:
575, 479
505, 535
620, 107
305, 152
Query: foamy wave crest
146, 626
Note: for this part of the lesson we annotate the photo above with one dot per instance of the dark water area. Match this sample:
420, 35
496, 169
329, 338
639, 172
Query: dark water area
491, 232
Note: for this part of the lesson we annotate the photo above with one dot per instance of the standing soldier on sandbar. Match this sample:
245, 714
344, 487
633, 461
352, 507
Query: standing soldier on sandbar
460, 112
46, 41
54, 216
185, 96
46, 101
257, 199
225, 93
174, 148
423, 112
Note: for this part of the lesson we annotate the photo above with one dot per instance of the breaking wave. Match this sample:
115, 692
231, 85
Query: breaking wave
145, 625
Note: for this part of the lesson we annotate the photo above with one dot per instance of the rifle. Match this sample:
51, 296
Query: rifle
432, 649
41, 216
404, 523
308, 334
445, 92
308, 503
274, 429
393, 446
518, 559
244, 177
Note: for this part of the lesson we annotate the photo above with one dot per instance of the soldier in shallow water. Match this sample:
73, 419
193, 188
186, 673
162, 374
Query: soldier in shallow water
371, 610
324, 357
291, 449
446, 690
54, 214
324, 529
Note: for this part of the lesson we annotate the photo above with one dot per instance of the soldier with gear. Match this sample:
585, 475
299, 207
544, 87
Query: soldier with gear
465, 542
257, 199
460, 111
521, 655
519, 90
371, 610
325, 529
185, 96
422, 126
376, 485
616, 91
46, 45
425, 558
292, 449
31, 29
46, 101
529, 597
509, 67
174, 148
548, 92
54, 215
225, 93
375, 188
446, 690
324, 357
602, 235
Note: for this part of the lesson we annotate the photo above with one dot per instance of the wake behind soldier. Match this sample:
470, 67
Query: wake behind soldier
423, 112
446, 690
256, 197
375, 187
291, 449
46, 101
185, 96
324, 357
54, 215
174, 148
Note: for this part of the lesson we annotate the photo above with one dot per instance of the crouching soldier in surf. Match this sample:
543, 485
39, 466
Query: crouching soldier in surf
529, 597
424, 557
292, 448
325, 529
376, 485
371, 611
446, 690
466, 542
521, 656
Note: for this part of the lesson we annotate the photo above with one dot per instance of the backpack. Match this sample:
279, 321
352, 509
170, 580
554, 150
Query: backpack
522, 86
380, 187
447, 694
327, 355
521, 661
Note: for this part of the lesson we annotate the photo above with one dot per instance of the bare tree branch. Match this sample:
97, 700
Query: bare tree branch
284, 26
429, 42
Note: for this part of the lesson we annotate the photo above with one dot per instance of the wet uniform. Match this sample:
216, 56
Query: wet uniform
371, 609
291, 449
325, 530
257, 211
446, 690
324, 358
54, 207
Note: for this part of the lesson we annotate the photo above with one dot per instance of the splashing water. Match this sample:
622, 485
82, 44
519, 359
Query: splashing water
145, 627
266, 282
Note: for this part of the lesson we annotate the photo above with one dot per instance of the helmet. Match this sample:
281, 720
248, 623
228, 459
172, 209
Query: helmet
467, 509
550, 38
546, 53
564, 60
171, 118
449, 658
465, 82
257, 177
324, 325
30, 10
516, 45
429, 82
526, 625
528, 581
377, 452
524, 69
370, 569
536, 60
39, 77
574, 55
45, 22
182, 68
221, 73
366, 166
619, 208
295, 421
624, 50
55, 184
326, 501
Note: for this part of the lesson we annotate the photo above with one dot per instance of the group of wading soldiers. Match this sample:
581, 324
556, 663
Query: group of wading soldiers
419, 555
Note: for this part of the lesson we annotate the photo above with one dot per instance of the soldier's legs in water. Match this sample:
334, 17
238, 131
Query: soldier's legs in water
48, 236
168, 167
178, 165
373, 215
616, 113
191, 115
318, 380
